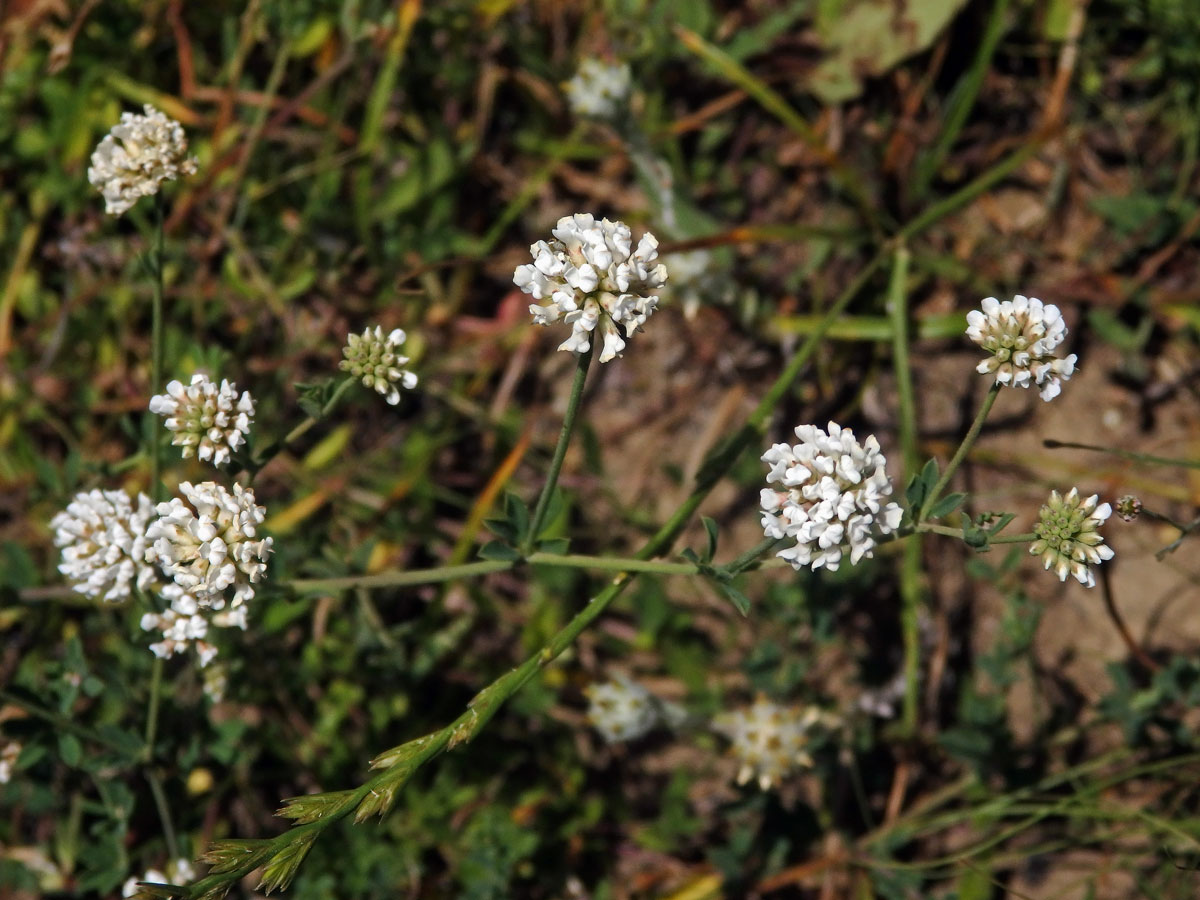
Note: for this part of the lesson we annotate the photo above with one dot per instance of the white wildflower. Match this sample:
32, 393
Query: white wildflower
102, 535
768, 740
591, 279
621, 710
137, 156
209, 422
377, 361
209, 543
216, 682
599, 90
1068, 536
183, 624
8, 760
830, 498
1021, 334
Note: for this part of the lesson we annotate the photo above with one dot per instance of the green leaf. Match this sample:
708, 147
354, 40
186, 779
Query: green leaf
498, 551
690, 555
503, 529
70, 750
517, 513
739, 600
554, 511
946, 505
711, 527
920, 485
557, 546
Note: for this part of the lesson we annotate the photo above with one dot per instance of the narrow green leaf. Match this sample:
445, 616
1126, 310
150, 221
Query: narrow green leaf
711, 527
947, 505
517, 513
739, 600
557, 546
503, 529
498, 551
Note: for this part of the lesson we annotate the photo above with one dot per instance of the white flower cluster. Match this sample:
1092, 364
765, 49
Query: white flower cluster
1068, 536
109, 546
768, 740
209, 422
137, 156
830, 498
376, 359
179, 872
209, 543
102, 535
593, 278
599, 90
8, 759
621, 710
1021, 335
185, 623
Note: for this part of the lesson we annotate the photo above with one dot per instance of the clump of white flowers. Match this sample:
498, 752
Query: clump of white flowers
599, 90
376, 359
8, 759
830, 497
1021, 335
621, 709
210, 543
209, 421
1068, 536
593, 279
180, 871
768, 740
186, 621
137, 156
102, 535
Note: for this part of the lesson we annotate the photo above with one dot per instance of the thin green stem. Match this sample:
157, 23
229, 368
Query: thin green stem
961, 453
62, 722
155, 261
610, 564
583, 362
164, 812
1027, 537
911, 592
401, 578
751, 556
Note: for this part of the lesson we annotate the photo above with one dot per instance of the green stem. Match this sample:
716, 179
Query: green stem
583, 362
156, 348
961, 453
62, 722
401, 578
911, 592
164, 812
1027, 537
604, 564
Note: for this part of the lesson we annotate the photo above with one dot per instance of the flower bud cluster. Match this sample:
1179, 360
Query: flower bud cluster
621, 709
594, 279
1068, 536
376, 360
830, 497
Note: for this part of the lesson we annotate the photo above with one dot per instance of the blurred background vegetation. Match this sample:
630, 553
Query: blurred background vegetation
369, 162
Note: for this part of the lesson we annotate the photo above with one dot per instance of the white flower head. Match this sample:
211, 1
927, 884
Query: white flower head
599, 90
209, 421
621, 709
830, 497
8, 760
210, 543
375, 358
137, 156
1068, 536
768, 740
1021, 335
594, 279
105, 551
